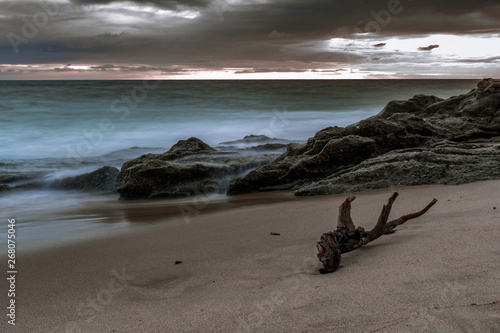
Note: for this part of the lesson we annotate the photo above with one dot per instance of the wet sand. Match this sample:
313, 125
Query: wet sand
437, 273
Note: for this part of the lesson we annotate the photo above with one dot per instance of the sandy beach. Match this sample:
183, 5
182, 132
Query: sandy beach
437, 273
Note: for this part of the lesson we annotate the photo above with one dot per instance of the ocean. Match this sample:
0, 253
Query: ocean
55, 129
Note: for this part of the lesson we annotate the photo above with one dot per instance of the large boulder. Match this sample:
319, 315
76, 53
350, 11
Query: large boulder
103, 179
155, 179
344, 151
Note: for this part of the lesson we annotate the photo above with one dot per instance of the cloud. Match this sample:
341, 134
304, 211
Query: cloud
428, 48
65, 69
112, 35
104, 67
277, 34
270, 70
261, 34
166, 4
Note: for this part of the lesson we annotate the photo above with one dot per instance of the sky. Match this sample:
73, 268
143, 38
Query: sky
251, 39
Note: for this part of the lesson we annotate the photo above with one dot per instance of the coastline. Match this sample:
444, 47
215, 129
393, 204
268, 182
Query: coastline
438, 272
43, 193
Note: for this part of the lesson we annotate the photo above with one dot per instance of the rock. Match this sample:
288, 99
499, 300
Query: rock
268, 147
487, 87
344, 151
183, 149
421, 121
5, 188
253, 139
259, 179
447, 163
156, 179
15, 176
190, 146
413, 105
103, 179
335, 148
189, 168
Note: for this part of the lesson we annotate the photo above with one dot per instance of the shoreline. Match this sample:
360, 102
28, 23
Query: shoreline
438, 271
101, 216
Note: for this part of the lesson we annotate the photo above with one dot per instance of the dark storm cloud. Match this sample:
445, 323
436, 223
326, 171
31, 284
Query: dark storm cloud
270, 35
109, 67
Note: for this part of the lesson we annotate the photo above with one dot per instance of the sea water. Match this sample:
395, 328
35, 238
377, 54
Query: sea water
56, 129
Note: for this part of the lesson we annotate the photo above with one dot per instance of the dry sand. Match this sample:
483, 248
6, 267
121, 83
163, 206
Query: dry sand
437, 273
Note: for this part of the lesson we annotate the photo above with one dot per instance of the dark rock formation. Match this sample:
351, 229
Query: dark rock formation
189, 168
5, 188
253, 139
155, 179
421, 121
268, 147
333, 149
446, 163
103, 179
190, 146
182, 149
413, 105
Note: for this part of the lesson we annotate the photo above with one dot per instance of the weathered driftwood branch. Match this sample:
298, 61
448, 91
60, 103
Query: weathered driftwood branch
347, 237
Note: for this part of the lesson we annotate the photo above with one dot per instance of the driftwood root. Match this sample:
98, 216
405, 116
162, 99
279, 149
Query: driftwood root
347, 237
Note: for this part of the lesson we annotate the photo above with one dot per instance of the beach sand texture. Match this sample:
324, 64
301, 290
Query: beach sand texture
437, 273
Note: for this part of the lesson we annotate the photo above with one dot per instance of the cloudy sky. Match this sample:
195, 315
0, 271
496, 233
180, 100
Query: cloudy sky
251, 39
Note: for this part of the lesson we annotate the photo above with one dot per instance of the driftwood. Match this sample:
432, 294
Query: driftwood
347, 237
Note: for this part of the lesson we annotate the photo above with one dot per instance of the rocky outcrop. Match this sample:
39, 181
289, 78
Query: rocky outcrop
421, 121
336, 148
103, 179
448, 163
190, 167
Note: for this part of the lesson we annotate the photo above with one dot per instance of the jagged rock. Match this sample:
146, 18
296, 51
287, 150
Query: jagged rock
413, 105
335, 148
344, 151
448, 163
103, 179
487, 87
419, 122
